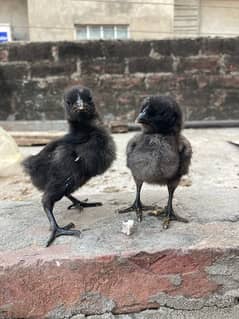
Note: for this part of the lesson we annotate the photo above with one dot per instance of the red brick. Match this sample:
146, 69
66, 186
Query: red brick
45, 69
163, 82
199, 64
149, 65
121, 82
231, 63
31, 51
3, 55
224, 82
196, 285
39, 284
11, 72
102, 66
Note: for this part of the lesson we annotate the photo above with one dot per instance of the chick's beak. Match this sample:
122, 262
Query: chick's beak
141, 118
80, 105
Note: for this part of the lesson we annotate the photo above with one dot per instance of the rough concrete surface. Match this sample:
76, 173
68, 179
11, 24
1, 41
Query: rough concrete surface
187, 271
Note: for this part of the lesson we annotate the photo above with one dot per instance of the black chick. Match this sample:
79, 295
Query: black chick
160, 154
67, 163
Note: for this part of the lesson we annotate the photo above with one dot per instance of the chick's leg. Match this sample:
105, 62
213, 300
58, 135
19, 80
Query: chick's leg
137, 206
170, 214
81, 204
48, 202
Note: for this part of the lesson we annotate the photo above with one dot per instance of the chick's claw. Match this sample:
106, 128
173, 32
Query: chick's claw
178, 218
139, 215
62, 231
135, 207
172, 216
157, 212
126, 210
81, 205
166, 223
75, 206
69, 226
93, 204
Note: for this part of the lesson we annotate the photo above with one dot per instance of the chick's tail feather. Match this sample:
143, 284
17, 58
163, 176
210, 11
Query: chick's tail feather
28, 165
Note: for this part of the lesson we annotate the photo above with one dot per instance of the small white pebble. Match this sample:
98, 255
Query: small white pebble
77, 159
128, 227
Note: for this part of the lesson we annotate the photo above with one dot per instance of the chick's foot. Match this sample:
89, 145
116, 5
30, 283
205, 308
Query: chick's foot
171, 215
138, 207
63, 231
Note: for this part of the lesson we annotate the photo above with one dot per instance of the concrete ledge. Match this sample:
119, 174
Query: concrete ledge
188, 267
33, 133
34, 126
61, 125
189, 270
34, 138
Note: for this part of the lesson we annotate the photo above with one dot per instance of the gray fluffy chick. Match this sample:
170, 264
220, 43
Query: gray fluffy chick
159, 154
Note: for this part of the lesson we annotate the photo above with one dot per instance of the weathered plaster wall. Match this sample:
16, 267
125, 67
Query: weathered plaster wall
51, 20
219, 18
56, 19
202, 74
14, 12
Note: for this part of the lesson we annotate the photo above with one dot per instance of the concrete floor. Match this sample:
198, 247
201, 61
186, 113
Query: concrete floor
208, 195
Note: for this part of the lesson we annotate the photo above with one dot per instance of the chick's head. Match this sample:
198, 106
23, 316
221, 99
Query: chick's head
79, 104
160, 114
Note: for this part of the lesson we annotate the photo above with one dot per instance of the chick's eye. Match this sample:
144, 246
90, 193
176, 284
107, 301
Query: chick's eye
90, 100
151, 112
144, 108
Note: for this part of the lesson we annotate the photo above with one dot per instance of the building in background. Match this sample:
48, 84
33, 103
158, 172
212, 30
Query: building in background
206, 18
53, 20
94, 19
14, 13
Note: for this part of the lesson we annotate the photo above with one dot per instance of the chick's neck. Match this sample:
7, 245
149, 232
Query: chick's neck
78, 128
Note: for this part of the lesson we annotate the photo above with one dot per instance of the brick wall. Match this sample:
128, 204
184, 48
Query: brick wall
202, 74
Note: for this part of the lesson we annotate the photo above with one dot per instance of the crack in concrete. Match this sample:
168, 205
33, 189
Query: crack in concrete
149, 312
232, 302
191, 304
